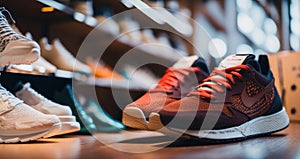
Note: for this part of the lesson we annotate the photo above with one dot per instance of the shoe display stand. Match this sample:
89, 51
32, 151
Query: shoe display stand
48, 85
72, 28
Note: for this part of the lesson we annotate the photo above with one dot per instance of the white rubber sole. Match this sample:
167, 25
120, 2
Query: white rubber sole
67, 118
25, 136
20, 52
259, 126
68, 125
134, 117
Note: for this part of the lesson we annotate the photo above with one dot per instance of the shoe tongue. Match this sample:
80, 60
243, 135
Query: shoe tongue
191, 61
185, 62
235, 59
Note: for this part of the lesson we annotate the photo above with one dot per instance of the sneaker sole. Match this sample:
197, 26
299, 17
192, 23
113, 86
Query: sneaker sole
134, 117
31, 136
261, 126
20, 52
68, 127
67, 118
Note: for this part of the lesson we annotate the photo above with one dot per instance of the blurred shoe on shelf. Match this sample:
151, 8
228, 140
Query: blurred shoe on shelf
102, 70
148, 36
21, 123
179, 11
83, 6
131, 30
14, 47
25, 69
178, 44
66, 96
104, 17
46, 106
103, 121
163, 39
59, 56
175, 84
140, 77
163, 48
176, 20
39, 67
43, 66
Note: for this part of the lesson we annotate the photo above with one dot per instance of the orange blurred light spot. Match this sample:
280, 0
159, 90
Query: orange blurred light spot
47, 9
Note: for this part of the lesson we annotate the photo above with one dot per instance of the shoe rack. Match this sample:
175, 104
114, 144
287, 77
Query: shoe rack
62, 24
53, 19
71, 27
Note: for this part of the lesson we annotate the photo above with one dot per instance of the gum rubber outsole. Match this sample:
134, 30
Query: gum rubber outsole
134, 117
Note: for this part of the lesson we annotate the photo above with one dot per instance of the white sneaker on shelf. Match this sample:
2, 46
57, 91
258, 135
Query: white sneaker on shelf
148, 36
59, 56
131, 29
46, 106
14, 47
139, 77
107, 23
43, 66
21, 123
84, 7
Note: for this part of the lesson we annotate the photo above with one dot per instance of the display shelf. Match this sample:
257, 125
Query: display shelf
31, 9
76, 22
146, 21
63, 23
151, 19
114, 83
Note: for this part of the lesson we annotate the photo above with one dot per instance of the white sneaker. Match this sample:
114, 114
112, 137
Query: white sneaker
130, 29
108, 24
15, 48
59, 56
21, 123
84, 7
46, 106
43, 66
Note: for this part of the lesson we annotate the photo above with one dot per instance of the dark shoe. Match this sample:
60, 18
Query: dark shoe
103, 121
237, 101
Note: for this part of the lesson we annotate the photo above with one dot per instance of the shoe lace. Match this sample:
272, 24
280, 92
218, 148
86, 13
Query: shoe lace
32, 91
2, 9
174, 76
218, 81
6, 96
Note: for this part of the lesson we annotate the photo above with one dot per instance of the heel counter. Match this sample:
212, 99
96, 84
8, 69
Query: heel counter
276, 105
